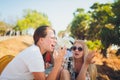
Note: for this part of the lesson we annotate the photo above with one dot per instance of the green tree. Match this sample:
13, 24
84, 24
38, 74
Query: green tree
80, 24
32, 19
116, 21
107, 20
110, 34
108, 37
101, 14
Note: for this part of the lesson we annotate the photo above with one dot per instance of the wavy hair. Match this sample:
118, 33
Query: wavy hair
92, 70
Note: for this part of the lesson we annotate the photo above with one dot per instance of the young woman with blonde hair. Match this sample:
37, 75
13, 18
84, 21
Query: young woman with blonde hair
81, 65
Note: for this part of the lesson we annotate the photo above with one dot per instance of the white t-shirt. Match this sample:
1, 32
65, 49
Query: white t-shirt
21, 67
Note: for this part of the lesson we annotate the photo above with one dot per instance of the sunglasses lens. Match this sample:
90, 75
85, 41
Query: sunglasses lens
74, 48
80, 49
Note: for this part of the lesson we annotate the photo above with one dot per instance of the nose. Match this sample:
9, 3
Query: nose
76, 49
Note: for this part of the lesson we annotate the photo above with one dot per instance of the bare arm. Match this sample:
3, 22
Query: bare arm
39, 76
87, 61
51, 76
82, 74
58, 58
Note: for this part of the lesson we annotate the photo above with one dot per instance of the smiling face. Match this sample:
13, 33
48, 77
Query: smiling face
48, 43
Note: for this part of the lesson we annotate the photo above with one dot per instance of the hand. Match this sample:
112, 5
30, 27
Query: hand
58, 55
88, 59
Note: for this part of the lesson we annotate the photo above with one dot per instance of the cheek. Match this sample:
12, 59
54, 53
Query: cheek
48, 41
81, 55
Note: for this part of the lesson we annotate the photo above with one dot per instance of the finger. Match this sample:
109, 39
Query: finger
55, 54
92, 62
63, 50
93, 55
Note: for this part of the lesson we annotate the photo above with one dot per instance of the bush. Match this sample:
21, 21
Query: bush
94, 45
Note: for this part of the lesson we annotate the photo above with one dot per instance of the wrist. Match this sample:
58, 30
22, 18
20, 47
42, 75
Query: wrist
85, 65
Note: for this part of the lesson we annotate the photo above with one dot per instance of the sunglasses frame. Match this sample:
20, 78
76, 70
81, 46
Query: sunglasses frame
78, 48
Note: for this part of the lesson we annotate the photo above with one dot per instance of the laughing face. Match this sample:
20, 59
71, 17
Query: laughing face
49, 41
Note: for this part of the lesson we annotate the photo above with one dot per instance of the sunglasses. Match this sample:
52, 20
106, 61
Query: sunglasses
74, 48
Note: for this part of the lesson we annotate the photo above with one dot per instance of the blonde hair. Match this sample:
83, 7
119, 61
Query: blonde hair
92, 67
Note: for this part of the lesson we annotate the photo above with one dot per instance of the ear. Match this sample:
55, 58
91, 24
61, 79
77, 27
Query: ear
40, 40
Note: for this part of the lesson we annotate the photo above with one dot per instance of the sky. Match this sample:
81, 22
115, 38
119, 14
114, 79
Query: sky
59, 12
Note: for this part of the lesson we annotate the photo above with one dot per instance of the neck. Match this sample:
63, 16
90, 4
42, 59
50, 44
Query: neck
41, 49
80, 60
78, 64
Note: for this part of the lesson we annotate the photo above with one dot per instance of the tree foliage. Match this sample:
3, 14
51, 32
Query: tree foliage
116, 21
92, 25
102, 22
80, 24
110, 34
32, 19
101, 15
94, 45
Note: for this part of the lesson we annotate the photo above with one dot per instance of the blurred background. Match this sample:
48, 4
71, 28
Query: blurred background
95, 21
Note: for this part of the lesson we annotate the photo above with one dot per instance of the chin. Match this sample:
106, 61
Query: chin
77, 57
51, 50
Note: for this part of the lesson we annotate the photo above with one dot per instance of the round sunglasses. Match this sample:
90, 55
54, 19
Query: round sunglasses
78, 48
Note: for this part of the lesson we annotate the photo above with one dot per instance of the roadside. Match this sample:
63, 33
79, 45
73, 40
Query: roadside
6, 37
13, 45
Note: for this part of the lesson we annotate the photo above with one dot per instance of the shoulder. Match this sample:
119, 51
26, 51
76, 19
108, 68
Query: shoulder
29, 52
